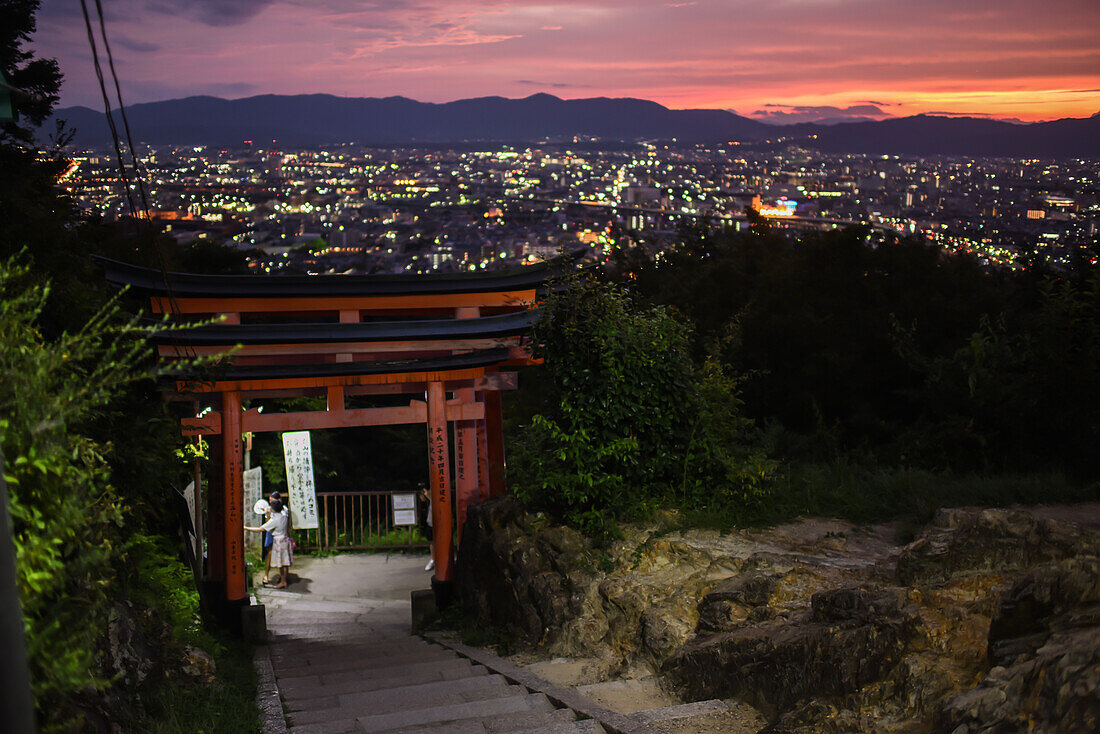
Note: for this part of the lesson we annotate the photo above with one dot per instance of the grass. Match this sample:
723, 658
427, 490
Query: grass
309, 542
873, 494
158, 582
468, 630
225, 705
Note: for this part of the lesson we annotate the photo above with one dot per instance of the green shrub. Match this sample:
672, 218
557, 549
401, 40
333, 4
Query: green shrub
65, 513
634, 425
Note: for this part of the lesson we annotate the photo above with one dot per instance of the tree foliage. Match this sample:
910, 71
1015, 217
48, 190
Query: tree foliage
892, 353
65, 512
38, 80
633, 423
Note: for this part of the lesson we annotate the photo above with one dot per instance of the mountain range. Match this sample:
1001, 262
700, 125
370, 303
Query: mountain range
318, 119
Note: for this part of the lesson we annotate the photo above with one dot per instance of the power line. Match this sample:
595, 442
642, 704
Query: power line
129, 139
122, 111
107, 110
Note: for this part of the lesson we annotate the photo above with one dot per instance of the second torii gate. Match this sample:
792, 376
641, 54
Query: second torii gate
342, 336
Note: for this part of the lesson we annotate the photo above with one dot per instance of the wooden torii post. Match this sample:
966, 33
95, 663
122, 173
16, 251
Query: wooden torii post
428, 336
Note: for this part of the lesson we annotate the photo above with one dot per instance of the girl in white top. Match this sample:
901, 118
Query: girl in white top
280, 547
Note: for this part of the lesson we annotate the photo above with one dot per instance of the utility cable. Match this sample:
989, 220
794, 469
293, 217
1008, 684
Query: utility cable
122, 112
107, 110
173, 305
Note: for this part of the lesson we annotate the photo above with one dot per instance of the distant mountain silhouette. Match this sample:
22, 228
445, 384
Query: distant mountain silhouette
930, 135
320, 118
317, 119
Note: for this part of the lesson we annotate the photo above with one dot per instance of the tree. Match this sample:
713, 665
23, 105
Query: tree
622, 378
66, 514
634, 424
38, 81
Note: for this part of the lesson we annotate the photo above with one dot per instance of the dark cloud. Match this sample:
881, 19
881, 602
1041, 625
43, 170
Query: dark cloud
131, 44
879, 104
551, 85
209, 12
979, 115
790, 114
212, 12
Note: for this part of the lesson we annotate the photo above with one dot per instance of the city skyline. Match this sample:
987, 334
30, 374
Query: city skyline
789, 61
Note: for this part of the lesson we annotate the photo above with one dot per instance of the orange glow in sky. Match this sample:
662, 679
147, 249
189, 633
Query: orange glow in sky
784, 60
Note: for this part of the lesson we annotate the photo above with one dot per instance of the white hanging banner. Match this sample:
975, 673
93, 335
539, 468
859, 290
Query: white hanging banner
253, 491
189, 495
299, 480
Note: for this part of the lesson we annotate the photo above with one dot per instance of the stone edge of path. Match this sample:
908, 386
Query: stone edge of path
268, 700
613, 722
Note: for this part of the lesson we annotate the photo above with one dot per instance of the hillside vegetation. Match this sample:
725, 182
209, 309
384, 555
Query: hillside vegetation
747, 378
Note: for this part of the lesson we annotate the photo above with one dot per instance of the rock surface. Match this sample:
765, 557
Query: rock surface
988, 621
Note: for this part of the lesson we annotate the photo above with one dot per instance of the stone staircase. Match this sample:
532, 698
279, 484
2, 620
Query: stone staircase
346, 664
340, 659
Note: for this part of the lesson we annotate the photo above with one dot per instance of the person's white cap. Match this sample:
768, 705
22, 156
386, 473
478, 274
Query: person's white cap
261, 507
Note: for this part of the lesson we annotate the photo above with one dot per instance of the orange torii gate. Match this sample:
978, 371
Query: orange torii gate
342, 336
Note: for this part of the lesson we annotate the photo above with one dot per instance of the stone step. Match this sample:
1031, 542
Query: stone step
504, 716
342, 611
379, 704
299, 688
523, 721
558, 721
319, 651
292, 648
482, 711
327, 606
584, 726
282, 622
359, 633
365, 663
302, 630
405, 697
351, 675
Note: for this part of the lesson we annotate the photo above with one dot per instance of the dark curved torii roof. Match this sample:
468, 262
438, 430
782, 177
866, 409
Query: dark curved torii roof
156, 282
485, 327
477, 358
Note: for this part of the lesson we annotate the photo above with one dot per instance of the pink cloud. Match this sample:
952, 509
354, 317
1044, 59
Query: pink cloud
707, 53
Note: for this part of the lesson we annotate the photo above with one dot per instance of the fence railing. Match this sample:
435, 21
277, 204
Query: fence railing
358, 521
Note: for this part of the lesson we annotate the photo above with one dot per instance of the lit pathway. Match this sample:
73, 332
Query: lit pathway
344, 660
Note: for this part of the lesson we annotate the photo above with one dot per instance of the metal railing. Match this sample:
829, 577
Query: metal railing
358, 521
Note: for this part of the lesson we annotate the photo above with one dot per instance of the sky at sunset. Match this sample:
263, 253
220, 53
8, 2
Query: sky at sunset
784, 60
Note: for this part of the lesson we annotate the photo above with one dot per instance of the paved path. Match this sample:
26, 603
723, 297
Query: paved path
344, 660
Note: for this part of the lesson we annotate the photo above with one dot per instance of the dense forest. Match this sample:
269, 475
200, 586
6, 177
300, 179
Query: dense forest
754, 376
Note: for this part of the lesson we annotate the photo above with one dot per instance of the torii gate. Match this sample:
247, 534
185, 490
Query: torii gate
342, 336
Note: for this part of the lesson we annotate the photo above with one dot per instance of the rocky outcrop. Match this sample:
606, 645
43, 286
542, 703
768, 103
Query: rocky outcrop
517, 572
849, 639
130, 656
961, 542
987, 621
1044, 649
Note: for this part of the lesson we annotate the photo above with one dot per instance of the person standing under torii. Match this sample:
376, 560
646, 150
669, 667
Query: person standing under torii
278, 526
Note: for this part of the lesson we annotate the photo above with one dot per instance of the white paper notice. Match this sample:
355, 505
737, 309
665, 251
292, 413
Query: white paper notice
299, 480
404, 509
404, 501
253, 490
404, 517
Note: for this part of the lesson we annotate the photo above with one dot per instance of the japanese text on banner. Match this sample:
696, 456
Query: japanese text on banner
253, 490
299, 480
